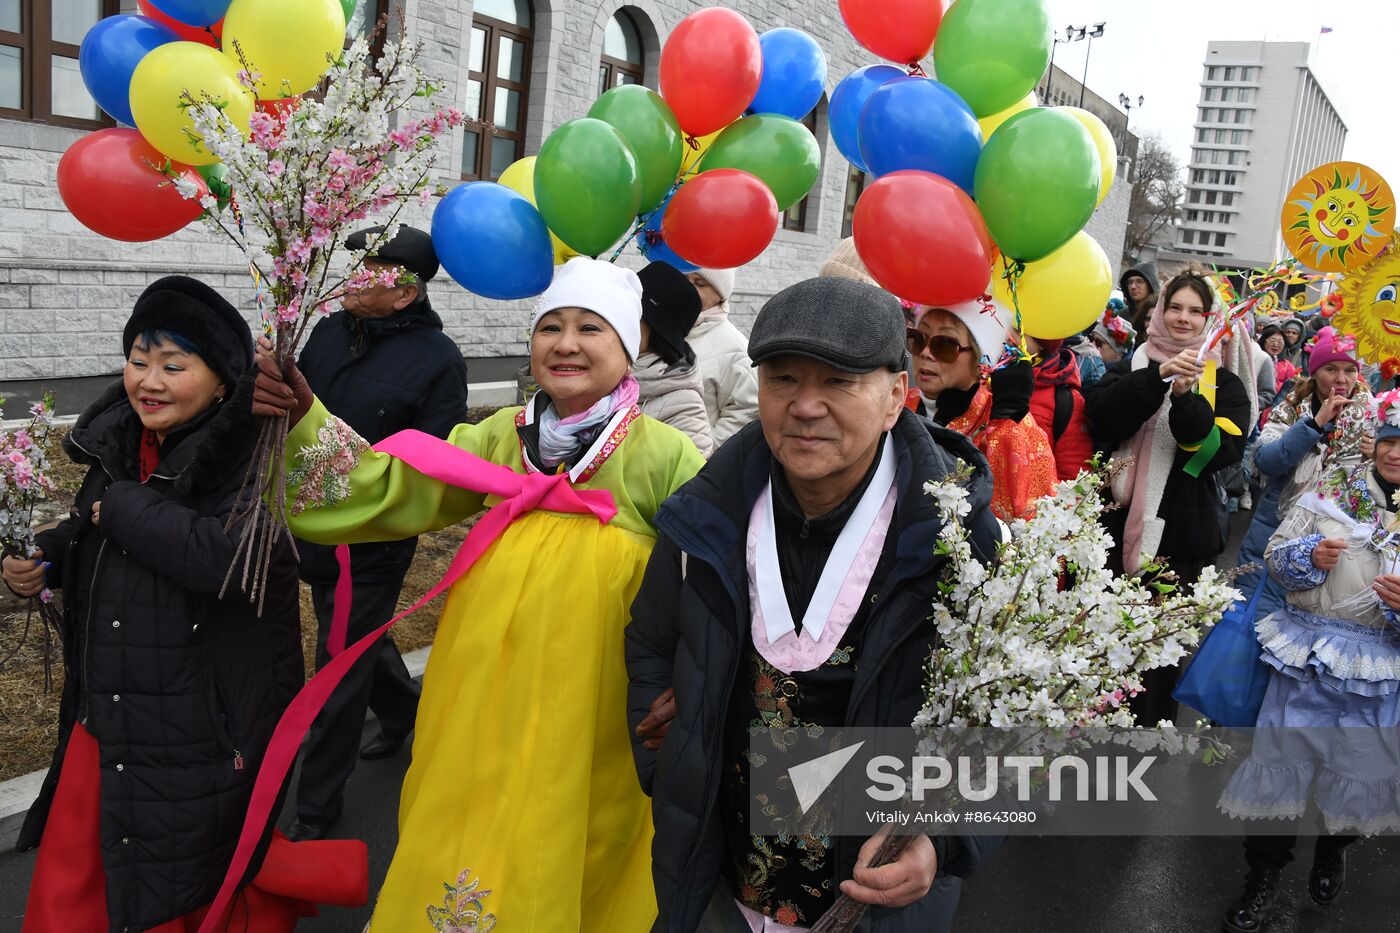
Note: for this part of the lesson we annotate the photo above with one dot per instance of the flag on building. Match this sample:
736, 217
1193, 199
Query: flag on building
1325, 30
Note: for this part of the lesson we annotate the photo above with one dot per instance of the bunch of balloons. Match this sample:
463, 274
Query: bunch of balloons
697, 174
974, 183
138, 69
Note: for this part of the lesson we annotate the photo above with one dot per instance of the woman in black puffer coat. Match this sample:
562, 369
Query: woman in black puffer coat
170, 693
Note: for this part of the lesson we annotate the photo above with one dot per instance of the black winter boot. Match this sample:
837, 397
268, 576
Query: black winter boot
1251, 912
1329, 872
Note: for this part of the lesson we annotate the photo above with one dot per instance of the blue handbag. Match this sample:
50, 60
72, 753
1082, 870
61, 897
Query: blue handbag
1226, 679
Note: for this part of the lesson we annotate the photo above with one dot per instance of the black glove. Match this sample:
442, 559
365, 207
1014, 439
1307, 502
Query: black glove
1011, 391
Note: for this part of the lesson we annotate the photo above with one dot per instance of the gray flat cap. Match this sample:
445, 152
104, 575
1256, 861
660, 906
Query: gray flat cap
850, 325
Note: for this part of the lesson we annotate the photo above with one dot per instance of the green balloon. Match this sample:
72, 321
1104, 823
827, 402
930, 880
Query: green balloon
348, 8
650, 128
587, 185
992, 52
215, 176
1037, 182
780, 151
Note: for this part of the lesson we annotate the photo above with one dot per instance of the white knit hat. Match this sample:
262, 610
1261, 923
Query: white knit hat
609, 291
988, 322
721, 280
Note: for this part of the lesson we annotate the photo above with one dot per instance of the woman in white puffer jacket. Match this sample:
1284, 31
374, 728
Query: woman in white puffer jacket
729, 383
667, 376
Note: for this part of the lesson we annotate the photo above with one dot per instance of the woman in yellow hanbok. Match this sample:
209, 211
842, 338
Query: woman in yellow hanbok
521, 808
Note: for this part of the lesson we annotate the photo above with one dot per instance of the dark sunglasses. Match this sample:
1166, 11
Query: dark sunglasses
941, 347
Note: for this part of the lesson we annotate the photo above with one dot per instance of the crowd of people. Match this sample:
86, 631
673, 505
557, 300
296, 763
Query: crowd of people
711, 535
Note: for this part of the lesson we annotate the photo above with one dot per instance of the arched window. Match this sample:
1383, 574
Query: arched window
39, 77
622, 54
498, 84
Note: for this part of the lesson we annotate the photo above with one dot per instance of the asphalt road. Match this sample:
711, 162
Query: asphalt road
1047, 885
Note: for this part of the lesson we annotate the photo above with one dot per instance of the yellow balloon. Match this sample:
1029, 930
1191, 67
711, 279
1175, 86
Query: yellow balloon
290, 42
519, 177
1062, 294
989, 124
157, 88
1103, 141
691, 157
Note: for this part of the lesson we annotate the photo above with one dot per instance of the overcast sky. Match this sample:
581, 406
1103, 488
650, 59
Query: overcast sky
1157, 48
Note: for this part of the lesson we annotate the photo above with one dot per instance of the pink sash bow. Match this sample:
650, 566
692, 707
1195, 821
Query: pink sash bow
434, 457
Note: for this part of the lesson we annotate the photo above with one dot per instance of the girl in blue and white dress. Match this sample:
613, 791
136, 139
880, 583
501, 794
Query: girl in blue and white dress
1330, 721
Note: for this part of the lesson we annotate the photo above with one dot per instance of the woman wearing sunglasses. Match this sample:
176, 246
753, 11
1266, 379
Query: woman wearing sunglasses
951, 347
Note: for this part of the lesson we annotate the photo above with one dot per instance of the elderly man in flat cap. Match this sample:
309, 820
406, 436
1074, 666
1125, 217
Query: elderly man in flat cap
739, 609
384, 365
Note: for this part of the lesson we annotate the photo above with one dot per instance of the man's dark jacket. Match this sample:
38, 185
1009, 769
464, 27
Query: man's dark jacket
181, 689
382, 376
687, 632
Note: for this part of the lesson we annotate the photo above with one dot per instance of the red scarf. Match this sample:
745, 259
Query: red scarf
148, 457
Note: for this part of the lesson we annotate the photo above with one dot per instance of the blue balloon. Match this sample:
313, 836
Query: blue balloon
920, 124
794, 74
848, 100
194, 12
653, 247
492, 241
109, 55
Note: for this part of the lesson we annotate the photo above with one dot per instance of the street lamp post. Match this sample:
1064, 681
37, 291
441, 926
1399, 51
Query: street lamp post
1094, 33
1050, 75
1126, 103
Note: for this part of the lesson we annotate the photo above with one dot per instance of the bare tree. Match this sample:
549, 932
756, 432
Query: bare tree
1158, 194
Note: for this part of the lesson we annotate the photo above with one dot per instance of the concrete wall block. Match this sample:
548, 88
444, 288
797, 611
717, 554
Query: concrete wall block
80, 276
53, 345
87, 321
14, 296
125, 277
26, 367
14, 345
54, 296
36, 275
31, 321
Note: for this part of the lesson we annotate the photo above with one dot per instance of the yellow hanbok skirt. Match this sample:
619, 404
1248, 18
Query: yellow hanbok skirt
521, 810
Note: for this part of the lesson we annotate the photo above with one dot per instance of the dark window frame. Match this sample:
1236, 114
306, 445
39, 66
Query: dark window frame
38, 50
848, 204
795, 217
490, 133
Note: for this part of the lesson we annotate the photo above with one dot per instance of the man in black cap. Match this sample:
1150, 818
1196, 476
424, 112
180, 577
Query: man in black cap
384, 365
834, 446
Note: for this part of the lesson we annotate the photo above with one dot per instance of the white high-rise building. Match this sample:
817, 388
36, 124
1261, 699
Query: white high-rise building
1263, 121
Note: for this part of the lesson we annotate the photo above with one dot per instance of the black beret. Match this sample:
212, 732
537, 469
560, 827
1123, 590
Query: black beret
412, 249
181, 305
850, 325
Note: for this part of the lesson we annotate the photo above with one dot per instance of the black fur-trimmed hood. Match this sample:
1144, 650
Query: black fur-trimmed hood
204, 455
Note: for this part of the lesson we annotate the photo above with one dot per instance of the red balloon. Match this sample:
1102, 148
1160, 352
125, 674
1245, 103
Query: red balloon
720, 219
923, 239
211, 36
274, 108
711, 67
900, 30
111, 181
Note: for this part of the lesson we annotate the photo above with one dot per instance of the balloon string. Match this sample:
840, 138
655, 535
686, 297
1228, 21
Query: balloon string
1012, 272
259, 290
642, 221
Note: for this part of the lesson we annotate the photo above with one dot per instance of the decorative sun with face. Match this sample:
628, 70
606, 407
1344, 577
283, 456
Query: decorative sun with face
1338, 216
1370, 309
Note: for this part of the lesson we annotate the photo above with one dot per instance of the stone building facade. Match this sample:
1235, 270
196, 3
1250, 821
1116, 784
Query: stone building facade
65, 292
